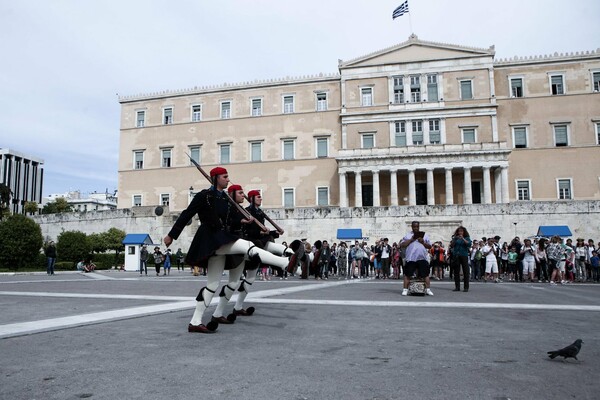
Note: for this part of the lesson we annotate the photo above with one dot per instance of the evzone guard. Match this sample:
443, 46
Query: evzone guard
262, 239
213, 241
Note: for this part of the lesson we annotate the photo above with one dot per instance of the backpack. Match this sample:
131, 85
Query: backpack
478, 255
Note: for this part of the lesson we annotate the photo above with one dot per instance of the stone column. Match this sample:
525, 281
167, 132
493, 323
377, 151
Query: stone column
412, 188
357, 189
497, 185
449, 187
343, 190
468, 194
504, 174
376, 199
487, 187
394, 187
430, 187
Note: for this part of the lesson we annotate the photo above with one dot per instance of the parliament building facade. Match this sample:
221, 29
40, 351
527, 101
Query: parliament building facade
419, 123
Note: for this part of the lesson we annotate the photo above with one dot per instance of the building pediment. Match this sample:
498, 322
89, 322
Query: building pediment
415, 50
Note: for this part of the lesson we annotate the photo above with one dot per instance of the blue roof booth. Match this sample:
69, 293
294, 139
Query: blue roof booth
133, 243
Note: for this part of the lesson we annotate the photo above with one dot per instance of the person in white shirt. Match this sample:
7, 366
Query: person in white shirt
528, 253
417, 245
491, 263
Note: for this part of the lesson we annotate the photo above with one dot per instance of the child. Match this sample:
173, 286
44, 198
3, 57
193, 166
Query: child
512, 263
595, 264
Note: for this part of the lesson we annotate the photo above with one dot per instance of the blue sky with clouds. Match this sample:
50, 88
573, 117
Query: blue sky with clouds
64, 61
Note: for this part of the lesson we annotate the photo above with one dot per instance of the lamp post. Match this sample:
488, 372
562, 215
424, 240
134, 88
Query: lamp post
515, 224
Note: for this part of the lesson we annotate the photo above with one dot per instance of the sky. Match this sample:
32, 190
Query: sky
64, 62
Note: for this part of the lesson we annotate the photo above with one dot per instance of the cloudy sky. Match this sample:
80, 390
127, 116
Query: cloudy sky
63, 62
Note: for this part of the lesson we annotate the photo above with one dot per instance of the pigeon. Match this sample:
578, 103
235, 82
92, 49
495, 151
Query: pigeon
569, 351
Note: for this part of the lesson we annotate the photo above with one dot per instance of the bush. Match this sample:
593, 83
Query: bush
65, 266
73, 246
20, 241
107, 261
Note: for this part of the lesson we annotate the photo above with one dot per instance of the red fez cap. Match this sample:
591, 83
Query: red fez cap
233, 188
217, 171
253, 193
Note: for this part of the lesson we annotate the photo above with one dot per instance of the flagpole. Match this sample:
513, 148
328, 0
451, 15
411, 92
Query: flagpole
410, 22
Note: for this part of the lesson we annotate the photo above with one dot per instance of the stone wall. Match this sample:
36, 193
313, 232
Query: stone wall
440, 221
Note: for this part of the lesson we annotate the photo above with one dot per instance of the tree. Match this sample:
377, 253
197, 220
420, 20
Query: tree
20, 241
114, 240
59, 205
98, 242
73, 246
31, 207
5, 195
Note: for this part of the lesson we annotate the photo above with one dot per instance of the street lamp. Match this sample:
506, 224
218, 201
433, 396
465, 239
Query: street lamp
515, 224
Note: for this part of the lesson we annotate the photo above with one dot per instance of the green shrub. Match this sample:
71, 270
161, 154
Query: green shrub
73, 246
20, 241
65, 266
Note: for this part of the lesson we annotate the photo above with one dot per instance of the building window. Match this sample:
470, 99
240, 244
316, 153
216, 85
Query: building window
164, 199
288, 149
322, 147
520, 137
368, 140
564, 189
366, 96
432, 88
225, 109
138, 159
322, 101
196, 112
255, 151
596, 81
598, 132
561, 135
400, 133
137, 200
469, 135
516, 87
322, 196
417, 132
195, 154
167, 116
256, 105
288, 104
415, 89
140, 119
398, 90
557, 84
288, 197
166, 158
434, 131
466, 89
225, 153
523, 191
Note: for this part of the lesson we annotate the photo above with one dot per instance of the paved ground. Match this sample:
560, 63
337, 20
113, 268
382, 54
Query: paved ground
114, 335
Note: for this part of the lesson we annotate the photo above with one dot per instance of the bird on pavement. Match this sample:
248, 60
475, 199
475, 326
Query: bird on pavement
569, 351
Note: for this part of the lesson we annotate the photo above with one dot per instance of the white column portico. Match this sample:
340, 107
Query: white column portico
468, 194
394, 187
430, 187
376, 199
504, 175
497, 185
449, 188
487, 186
412, 189
357, 189
343, 190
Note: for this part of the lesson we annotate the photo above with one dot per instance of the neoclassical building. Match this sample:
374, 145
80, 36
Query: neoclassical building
419, 123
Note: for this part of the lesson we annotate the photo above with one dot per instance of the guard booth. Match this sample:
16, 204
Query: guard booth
133, 243
548, 231
349, 234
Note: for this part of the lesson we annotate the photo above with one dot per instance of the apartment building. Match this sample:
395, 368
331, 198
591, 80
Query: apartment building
413, 124
24, 176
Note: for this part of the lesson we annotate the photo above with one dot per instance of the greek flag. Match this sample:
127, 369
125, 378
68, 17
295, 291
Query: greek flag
401, 10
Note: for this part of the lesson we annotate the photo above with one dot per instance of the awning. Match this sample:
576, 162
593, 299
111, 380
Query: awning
137, 238
551, 230
347, 234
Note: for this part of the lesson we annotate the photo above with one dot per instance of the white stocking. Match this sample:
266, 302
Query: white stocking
248, 281
245, 247
216, 266
229, 289
278, 249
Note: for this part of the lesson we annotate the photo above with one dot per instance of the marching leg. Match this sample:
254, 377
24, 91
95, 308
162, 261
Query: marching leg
238, 309
216, 265
226, 293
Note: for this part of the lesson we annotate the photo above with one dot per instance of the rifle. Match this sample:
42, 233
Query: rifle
241, 209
